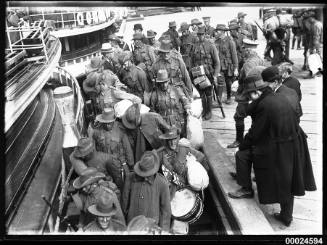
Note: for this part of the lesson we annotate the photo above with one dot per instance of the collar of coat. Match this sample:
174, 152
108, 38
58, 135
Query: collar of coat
149, 179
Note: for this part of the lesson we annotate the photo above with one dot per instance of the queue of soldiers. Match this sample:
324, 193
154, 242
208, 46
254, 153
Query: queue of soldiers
133, 162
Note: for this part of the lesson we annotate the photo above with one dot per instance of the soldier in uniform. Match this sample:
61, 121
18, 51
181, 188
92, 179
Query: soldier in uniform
209, 30
187, 41
170, 102
270, 23
151, 36
175, 67
173, 34
228, 58
316, 37
109, 138
205, 53
134, 77
138, 29
143, 55
104, 209
114, 41
238, 40
245, 26
297, 29
195, 24
251, 60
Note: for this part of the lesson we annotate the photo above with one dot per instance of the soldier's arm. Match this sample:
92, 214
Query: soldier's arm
234, 53
186, 76
215, 59
78, 165
129, 154
124, 95
182, 97
165, 209
126, 193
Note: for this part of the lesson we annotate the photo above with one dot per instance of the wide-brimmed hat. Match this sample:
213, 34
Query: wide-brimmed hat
233, 26
195, 22
150, 34
138, 26
221, 27
107, 116
184, 27
172, 24
137, 36
241, 14
95, 64
173, 133
131, 117
148, 165
270, 74
233, 21
84, 147
141, 223
104, 206
162, 76
89, 176
247, 43
253, 83
113, 37
201, 30
107, 48
165, 46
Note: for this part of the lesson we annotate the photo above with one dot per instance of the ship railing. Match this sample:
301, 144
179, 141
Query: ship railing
73, 19
88, 53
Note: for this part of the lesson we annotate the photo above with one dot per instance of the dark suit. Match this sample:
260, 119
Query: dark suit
294, 83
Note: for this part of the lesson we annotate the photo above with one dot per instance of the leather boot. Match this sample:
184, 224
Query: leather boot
208, 114
239, 136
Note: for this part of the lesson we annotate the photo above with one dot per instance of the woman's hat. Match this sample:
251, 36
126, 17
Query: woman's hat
173, 133
148, 165
87, 177
162, 76
107, 116
104, 206
270, 74
107, 48
221, 27
84, 147
165, 46
131, 117
150, 34
95, 64
138, 26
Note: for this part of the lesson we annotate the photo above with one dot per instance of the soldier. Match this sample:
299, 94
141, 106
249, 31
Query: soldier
104, 209
114, 41
143, 55
205, 53
287, 35
316, 38
170, 102
110, 58
122, 44
151, 36
238, 40
173, 34
209, 30
173, 160
195, 24
228, 58
245, 26
146, 192
91, 186
297, 29
270, 24
251, 60
187, 41
134, 77
138, 29
109, 138
175, 67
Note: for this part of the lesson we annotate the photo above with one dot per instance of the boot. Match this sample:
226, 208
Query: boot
208, 114
239, 137
293, 42
204, 105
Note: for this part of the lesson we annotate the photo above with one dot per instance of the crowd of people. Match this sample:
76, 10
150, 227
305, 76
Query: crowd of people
133, 161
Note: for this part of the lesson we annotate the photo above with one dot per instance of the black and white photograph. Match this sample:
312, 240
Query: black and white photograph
171, 119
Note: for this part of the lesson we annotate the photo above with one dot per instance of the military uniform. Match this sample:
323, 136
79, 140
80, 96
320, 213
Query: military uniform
187, 42
174, 37
248, 29
228, 60
171, 105
238, 40
205, 53
145, 55
316, 39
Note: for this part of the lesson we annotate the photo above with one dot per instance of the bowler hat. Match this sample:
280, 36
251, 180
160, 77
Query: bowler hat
165, 46
270, 74
201, 30
131, 117
162, 76
195, 22
148, 165
253, 82
89, 176
104, 206
107, 116
138, 26
173, 133
107, 48
137, 36
172, 23
150, 34
241, 14
84, 147
184, 27
95, 64
221, 27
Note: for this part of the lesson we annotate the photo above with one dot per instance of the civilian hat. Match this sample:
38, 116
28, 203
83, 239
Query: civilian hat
137, 36
184, 27
95, 64
165, 46
201, 30
131, 117
221, 27
253, 82
241, 14
107, 48
104, 206
195, 22
173, 133
138, 26
89, 176
84, 147
162, 76
172, 23
148, 165
150, 34
107, 116
270, 74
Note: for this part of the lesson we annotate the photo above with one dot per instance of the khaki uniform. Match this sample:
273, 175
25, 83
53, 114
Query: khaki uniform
171, 105
144, 57
177, 72
316, 38
247, 27
186, 46
209, 31
174, 37
238, 40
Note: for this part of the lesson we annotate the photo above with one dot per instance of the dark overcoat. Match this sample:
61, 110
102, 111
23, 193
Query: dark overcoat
273, 137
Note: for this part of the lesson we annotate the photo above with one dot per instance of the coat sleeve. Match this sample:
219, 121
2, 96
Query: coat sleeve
143, 80
186, 77
165, 209
162, 123
126, 193
129, 155
77, 164
119, 94
215, 59
152, 54
234, 53
183, 99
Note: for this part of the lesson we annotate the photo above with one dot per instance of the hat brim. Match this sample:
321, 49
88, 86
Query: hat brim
151, 36
167, 137
77, 153
93, 210
248, 90
150, 172
163, 50
127, 124
78, 185
100, 119
162, 81
241, 15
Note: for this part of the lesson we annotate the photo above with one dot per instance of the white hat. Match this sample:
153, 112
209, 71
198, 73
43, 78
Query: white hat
106, 47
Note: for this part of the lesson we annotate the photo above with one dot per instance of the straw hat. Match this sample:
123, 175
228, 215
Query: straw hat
107, 48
